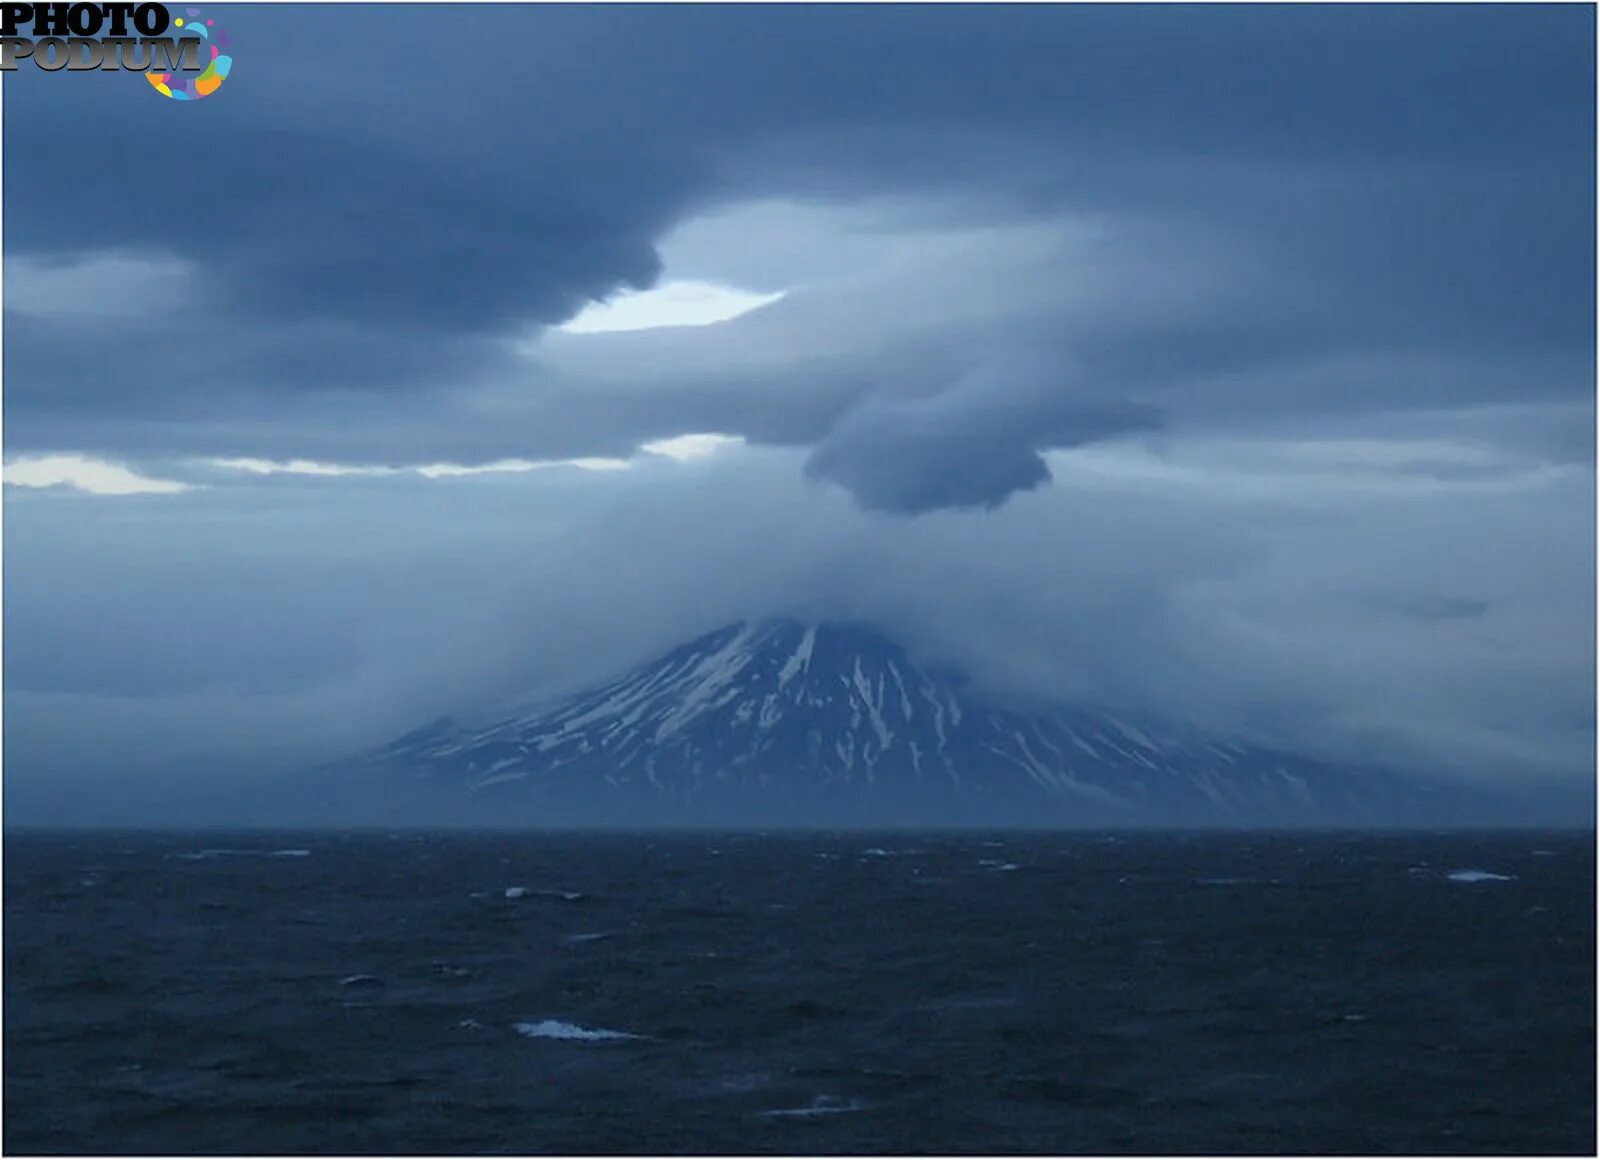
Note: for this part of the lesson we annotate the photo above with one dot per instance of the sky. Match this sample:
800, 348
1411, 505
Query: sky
1235, 364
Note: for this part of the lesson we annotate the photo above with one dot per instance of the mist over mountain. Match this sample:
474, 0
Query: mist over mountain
783, 722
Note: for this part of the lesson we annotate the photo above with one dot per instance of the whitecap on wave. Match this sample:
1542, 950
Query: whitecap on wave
207, 855
524, 892
821, 1106
1477, 876
555, 1029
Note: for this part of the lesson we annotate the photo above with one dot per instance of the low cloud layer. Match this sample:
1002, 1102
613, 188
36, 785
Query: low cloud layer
1316, 595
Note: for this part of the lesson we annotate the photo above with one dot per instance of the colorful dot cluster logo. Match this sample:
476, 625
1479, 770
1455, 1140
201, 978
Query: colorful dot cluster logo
216, 71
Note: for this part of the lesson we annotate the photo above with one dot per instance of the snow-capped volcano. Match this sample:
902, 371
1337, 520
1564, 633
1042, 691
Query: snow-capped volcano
784, 719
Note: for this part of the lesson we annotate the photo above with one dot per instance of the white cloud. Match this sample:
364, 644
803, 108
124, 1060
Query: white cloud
429, 470
86, 474
443, 470
679, 448
680, 303
299, 467
685, 448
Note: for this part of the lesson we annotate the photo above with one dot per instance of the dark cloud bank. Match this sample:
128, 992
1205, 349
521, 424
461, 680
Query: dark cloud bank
1235, 362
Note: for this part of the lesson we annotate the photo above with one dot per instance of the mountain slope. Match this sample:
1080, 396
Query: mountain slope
781, 721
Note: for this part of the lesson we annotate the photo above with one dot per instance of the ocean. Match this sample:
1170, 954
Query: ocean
817, 993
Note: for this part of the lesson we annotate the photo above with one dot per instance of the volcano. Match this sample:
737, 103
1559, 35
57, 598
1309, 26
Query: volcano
780, 721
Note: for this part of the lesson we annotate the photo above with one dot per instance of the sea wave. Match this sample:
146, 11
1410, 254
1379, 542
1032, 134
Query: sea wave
556, 1029
821, 1106
524, 892
1477, 876
207, 855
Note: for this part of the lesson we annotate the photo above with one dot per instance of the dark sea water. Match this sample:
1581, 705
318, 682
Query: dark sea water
855, 993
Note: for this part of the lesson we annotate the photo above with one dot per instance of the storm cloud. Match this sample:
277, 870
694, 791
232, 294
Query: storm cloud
1394, 182
1195, 323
